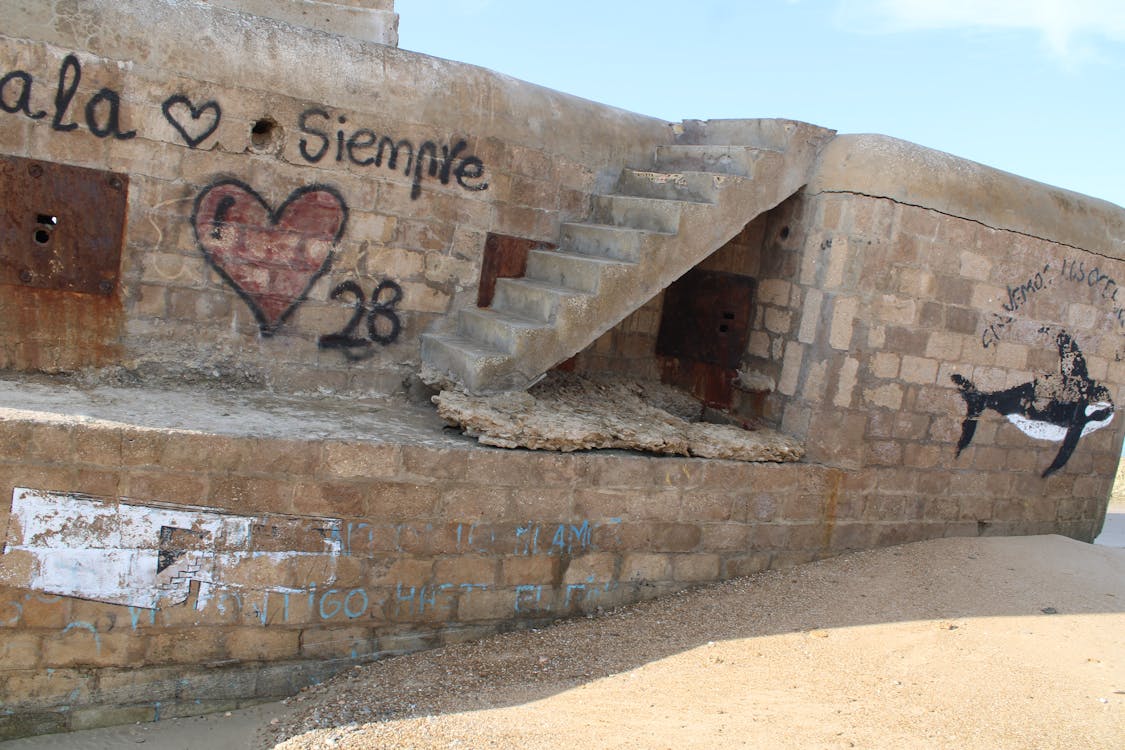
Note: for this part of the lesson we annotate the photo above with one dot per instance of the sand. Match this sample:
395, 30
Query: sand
955, 643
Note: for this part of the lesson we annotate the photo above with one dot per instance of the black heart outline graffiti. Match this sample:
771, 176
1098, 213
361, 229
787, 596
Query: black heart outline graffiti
196, 113
273, 216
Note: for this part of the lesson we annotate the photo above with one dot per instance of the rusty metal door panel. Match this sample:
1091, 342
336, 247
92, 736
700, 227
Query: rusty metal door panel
504, 258
706, 318
61, 227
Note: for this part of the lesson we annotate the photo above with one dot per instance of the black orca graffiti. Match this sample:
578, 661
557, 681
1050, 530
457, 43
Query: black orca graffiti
1058, 407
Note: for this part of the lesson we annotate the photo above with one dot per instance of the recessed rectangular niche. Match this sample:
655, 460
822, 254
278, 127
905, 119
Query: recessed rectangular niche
505, 257
61, 227
707, 318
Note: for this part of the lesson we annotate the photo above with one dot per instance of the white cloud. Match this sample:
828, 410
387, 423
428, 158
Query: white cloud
1063, 24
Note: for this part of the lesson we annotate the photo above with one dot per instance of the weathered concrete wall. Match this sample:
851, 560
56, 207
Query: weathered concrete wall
901, 289
297, 131
369, 20
273, 240
331, 551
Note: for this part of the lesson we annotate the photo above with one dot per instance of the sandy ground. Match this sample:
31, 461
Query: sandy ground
956, 643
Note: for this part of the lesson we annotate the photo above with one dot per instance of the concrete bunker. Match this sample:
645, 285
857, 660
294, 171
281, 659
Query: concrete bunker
279, 287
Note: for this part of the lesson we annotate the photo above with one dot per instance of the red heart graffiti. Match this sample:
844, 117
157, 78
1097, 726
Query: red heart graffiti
271, 257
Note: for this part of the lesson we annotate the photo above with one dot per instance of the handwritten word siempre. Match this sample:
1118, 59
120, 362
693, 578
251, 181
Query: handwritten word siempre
364, 147
103, 110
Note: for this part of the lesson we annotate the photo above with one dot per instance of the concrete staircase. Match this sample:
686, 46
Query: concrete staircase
657, 224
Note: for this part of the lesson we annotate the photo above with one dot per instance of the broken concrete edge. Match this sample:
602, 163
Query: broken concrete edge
568, 413
883, 167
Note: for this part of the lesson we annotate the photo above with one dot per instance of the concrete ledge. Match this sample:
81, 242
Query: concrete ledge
368, 24
232, 48
356, 531
884, 167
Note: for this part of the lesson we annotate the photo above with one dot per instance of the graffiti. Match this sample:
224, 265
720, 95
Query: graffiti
563, 540
322, 135
1019, 294
401, 602
382, 321
178, 104
1095, 278
1023, 292
1061, 407
147, 556
102, 111
356, 148
270, 257
89, 628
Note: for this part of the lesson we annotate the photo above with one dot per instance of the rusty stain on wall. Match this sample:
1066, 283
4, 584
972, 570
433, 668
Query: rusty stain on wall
62, 227
61, 234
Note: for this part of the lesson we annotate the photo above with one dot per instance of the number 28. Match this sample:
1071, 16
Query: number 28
382, 321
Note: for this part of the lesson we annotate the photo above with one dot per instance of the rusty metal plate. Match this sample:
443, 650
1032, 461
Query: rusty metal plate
707, 317
504, 258
61, 227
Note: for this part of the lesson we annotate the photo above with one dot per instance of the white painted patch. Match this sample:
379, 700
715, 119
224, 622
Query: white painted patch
1097, 425
1038, 430
1056, 433
122, 552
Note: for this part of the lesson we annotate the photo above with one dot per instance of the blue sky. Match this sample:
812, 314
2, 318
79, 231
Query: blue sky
1035, 87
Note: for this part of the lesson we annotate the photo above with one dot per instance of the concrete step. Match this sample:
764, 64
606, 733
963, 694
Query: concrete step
504, 331
573, 270
700, 187
475, 364
736, 160
660, 221
604, 240
778, 134
653, 214
528, 298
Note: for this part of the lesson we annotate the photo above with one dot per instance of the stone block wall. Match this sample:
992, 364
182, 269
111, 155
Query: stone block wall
355, 550
945, 340
375, 176
896, 306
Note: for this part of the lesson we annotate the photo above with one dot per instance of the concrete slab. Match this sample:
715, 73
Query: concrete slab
222, 412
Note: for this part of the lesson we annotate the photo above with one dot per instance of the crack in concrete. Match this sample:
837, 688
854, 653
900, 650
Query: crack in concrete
966, 218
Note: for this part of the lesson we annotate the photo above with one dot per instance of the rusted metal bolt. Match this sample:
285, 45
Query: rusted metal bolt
35, 170
105, 286
25, 276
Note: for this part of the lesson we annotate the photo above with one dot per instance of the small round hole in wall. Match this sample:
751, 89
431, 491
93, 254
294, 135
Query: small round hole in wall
784, 233
42, 236
265, 135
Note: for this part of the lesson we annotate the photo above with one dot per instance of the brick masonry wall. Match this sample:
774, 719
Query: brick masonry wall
867, 310
273, 237
266, 247
891, 305
629, 348
426, 555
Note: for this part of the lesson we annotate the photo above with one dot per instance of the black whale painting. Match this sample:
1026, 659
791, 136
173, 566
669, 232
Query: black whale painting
1059, 407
